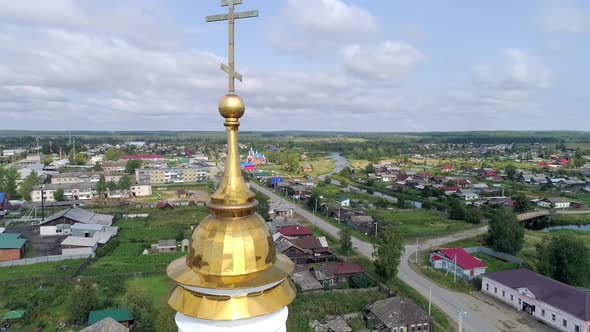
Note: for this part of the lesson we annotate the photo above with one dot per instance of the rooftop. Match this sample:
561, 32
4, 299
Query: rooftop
79, 241
464, 259
295, 230
82, 216
11, 241
119, 315
557, 294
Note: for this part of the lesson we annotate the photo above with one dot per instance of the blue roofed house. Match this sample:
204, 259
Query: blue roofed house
343, 201
3, 201
12, 247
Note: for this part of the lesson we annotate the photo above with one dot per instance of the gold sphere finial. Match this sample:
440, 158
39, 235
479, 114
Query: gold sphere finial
231, 106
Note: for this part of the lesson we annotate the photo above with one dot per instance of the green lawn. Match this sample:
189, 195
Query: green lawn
494, 264
64, 268
322, 166
420, 223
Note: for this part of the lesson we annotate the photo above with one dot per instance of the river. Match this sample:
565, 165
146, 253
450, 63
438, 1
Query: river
584, 228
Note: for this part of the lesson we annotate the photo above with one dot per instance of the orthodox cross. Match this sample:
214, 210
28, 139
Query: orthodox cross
230, 17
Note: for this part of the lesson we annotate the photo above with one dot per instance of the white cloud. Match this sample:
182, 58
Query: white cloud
313, 26
389, 61
517, 71
563, 17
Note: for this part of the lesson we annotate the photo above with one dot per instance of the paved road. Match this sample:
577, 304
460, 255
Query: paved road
481, 315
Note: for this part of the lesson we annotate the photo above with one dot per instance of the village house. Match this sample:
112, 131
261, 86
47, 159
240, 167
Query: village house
397, 314
12, 247
554, 202
446, 168
458, 261
363, 223
333, 274
304, 250
61, 222
556, 304
343, 201
164, 246
281, 210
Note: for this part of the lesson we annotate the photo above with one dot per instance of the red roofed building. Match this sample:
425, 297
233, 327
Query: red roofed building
145, 157
459, 261
450, 190
295, 231
332, 274
447, 167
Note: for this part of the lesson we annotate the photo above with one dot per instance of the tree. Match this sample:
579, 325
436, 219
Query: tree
427, 191
505, 234
58, 195
510, 172
314, 201
97, 167
401, 202
139, 302
101, 185
263, 207
346, 172
112, 154
112, 186
345, 240
472, 215
370, 168
125, 182
83, 299
327, 179
390, 249
26, 187
521, 203
564, 258
132, 165
456, 210
80, 159
8, 178
47, 160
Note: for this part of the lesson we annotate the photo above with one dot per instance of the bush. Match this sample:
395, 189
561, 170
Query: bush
361, 281
107, 248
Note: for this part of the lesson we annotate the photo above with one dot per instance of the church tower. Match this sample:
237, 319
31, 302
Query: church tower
232, 278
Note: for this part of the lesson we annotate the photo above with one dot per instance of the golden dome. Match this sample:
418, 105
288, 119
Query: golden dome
232, 270
231, 106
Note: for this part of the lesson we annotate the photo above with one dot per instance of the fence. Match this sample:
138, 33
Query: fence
495, 254
43, 259
135, 215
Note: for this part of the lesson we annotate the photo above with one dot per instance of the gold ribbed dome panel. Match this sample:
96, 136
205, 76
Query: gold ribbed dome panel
232, 308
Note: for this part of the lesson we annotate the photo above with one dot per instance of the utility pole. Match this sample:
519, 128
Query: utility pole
42, 204
460, 321
429, 300
416, 250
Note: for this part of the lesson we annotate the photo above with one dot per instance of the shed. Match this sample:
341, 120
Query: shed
166, 246
121, 315
12, 247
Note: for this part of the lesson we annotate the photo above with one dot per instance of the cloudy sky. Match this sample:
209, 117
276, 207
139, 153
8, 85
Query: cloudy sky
347, 65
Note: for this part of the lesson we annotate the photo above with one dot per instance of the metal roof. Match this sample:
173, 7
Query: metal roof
82, 216
119, 315
557, 294
79, 241
11, 241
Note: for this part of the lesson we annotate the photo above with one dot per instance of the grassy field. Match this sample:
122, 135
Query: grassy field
494, 264
322, 166
42, 270
420, 223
